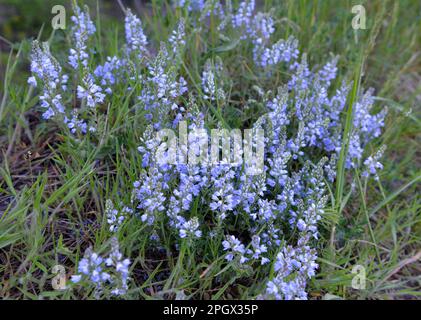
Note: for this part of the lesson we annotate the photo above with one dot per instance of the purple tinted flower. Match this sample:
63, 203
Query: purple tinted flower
190, 229
135, 38
82, 29
91, 92
46, 68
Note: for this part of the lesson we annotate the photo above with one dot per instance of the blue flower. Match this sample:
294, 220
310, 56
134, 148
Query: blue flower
135, 38
91, 92
192, 5
190, 229
148, 192
82, 29
46, 68
111, 273
108, 73
235, 249
372, 164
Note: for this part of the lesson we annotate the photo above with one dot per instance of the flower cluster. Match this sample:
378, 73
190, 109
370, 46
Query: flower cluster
243, 18
114, 216
90, 92
211, 84
136, 40
191, 5
149, 193
372, 164
258, 28
190, 229
108, 274
235, 249
82, 29
109, 73
78, 125
281, 51
162, 89
48, 71
177, 39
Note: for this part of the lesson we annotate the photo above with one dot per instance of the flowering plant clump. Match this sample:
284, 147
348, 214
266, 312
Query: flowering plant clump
109, 273
261, 213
